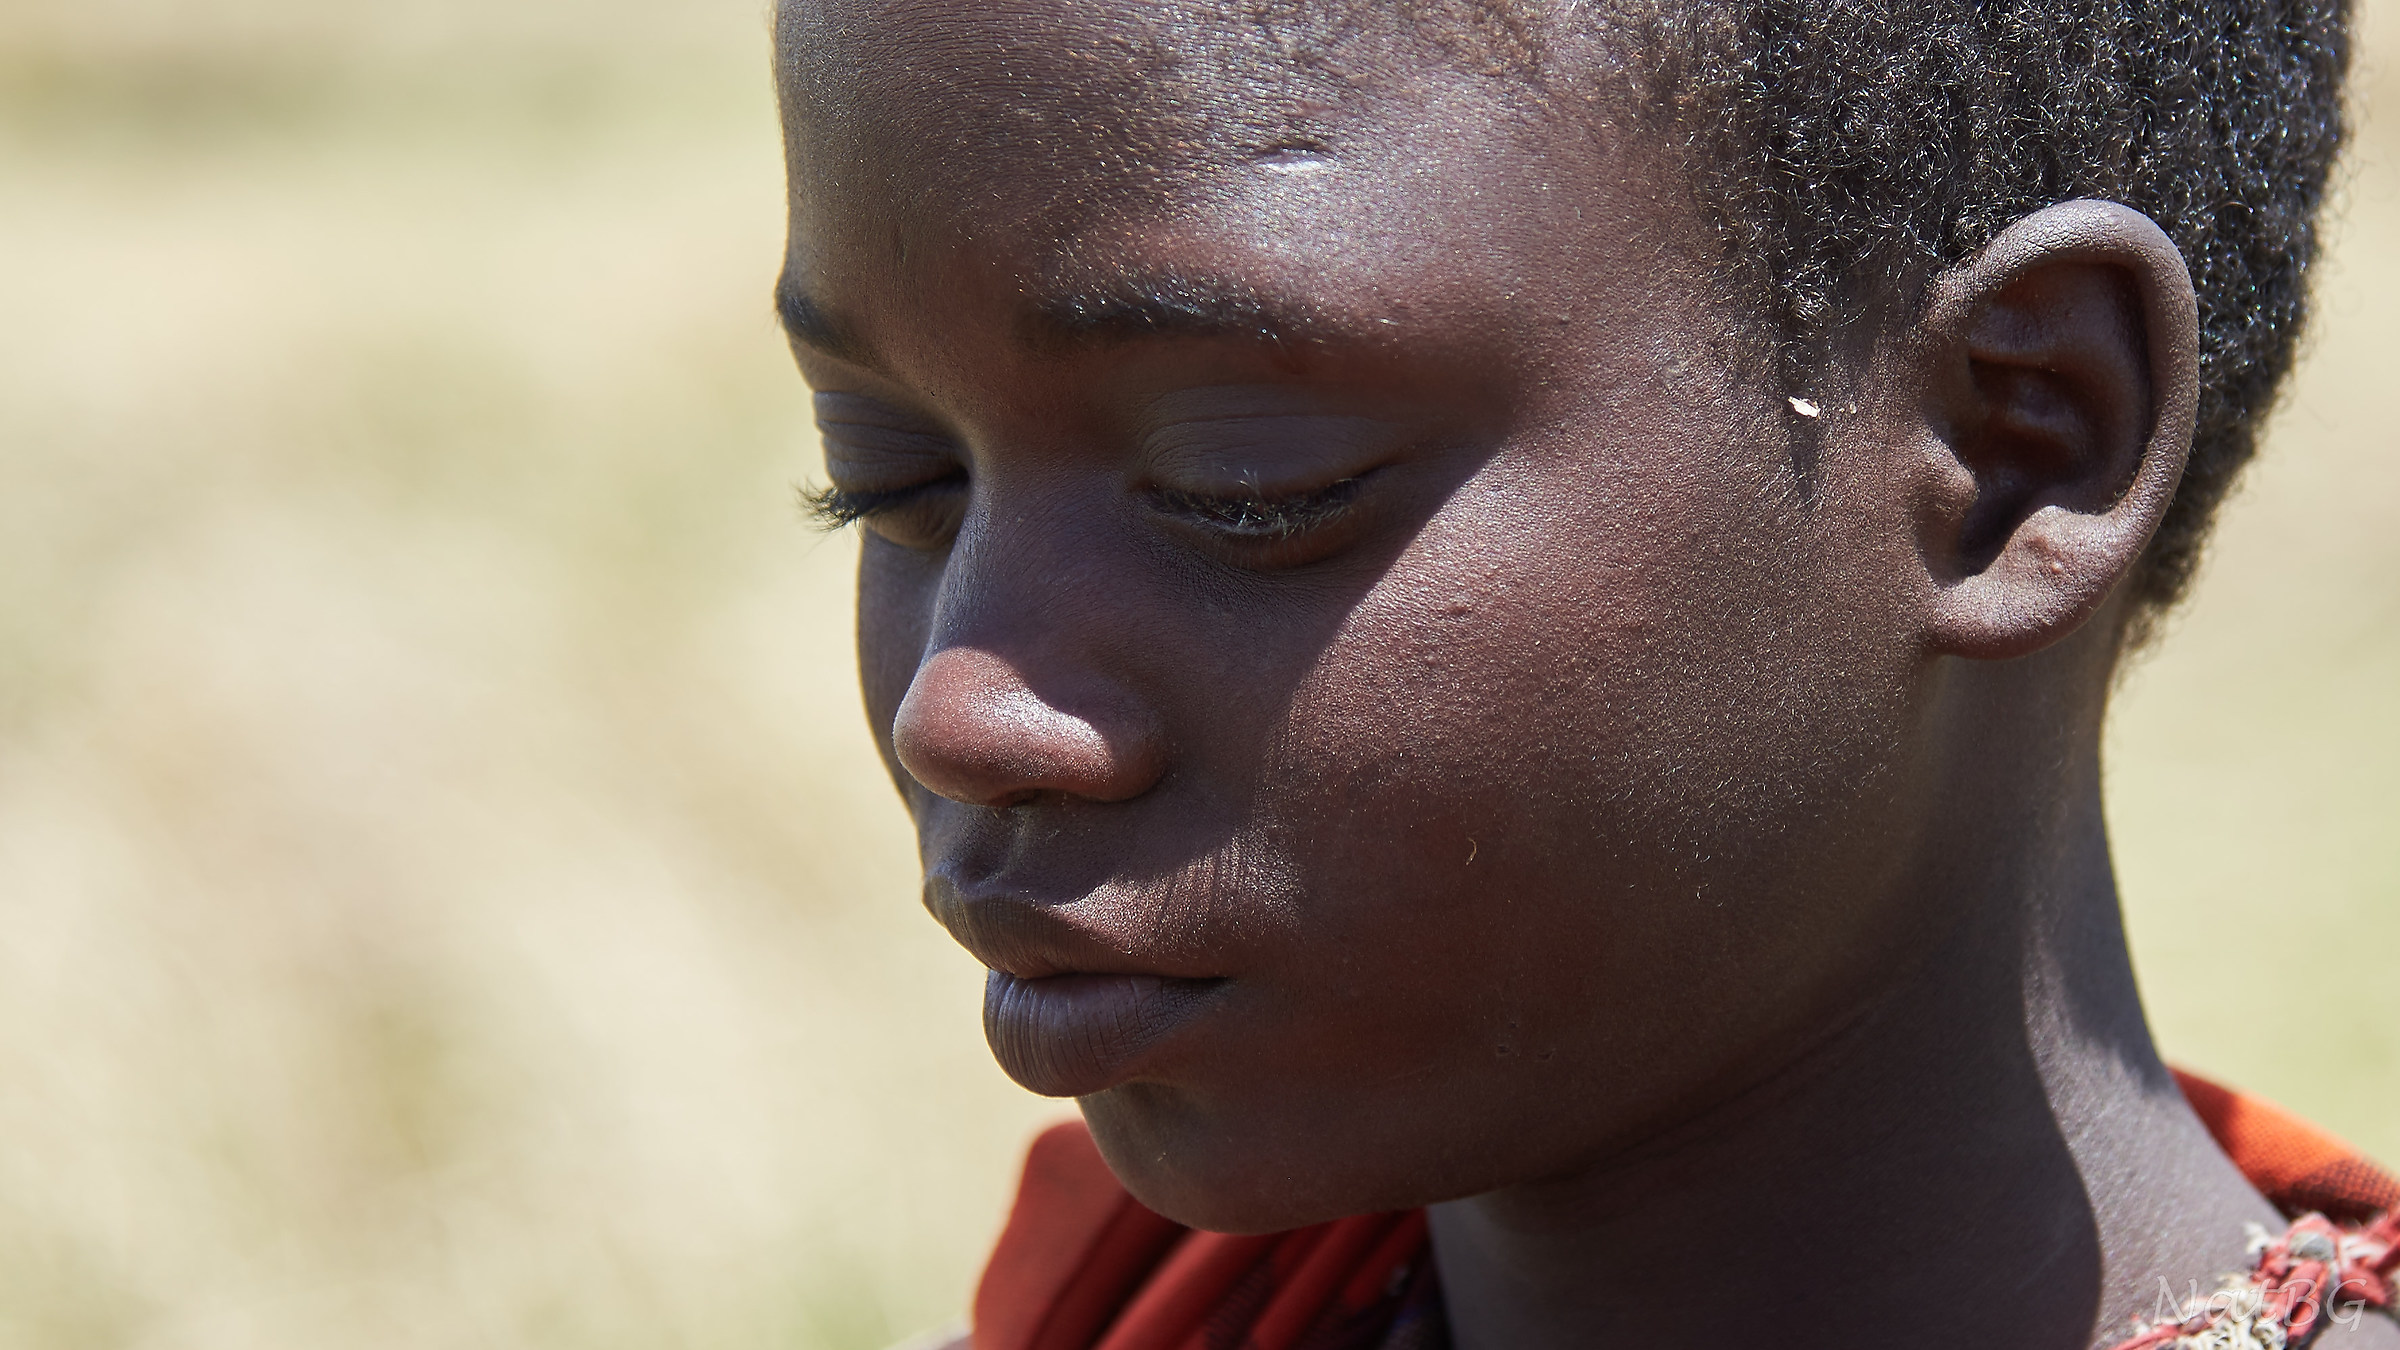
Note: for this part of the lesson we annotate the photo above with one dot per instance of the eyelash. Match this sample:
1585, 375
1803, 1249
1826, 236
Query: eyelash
1257, 518
1249, 518
833, 508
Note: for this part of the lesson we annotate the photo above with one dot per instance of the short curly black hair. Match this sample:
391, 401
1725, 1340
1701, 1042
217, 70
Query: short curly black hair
1839, 145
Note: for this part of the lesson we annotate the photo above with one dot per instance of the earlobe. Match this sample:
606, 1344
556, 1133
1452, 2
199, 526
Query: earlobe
2059, 375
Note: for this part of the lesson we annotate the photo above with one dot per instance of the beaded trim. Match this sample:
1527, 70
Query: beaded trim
2314, 1273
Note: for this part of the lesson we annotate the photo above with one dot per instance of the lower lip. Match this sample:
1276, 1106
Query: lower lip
1074, 1035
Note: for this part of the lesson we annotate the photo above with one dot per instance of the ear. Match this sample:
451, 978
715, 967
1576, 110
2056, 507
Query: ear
2060, 366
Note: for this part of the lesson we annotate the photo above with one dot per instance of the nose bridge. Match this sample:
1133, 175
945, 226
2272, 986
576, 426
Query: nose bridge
1026, 683
1029, 580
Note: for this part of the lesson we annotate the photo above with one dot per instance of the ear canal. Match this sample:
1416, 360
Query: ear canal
2060, 373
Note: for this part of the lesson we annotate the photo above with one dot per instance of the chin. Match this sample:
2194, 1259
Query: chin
1224, 1171
1252, 1166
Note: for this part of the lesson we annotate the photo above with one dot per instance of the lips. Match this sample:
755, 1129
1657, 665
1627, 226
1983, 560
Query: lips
1076, 1034
1081, 997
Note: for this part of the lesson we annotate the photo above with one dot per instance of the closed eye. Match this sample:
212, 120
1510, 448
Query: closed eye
1260, 518
834, 508
922, 516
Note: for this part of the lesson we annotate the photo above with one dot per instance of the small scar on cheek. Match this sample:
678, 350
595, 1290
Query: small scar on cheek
1472, 849
1296, 157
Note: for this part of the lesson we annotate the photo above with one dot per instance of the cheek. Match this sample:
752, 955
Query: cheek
1647, 685
1574, 803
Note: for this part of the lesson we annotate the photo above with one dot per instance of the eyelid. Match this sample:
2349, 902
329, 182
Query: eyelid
840, 405
1256, 517
1266, 455
833, 507
924, 517
872, 447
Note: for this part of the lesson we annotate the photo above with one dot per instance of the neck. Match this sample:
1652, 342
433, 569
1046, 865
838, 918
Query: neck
1991, 1154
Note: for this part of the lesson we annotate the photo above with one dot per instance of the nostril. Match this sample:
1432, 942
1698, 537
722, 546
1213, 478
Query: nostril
974, 729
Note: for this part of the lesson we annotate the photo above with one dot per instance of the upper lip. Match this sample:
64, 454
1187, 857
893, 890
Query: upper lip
1032, 938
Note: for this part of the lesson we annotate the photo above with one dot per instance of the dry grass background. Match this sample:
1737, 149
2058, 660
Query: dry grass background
446, 898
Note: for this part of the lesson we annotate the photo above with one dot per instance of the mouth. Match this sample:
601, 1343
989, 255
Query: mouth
1081, 997
1071, 1035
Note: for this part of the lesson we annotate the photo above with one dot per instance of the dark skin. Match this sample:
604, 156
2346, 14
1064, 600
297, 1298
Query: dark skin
1410, 715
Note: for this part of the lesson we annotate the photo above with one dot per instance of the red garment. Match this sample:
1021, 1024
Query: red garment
1083, 1266
2299, 1167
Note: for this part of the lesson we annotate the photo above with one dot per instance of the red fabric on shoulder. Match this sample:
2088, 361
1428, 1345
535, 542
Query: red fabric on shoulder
1076, 1247
1312, 1293
1082, 1264
1191, 1284
2299, 1167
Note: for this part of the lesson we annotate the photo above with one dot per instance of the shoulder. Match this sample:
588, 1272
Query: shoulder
2297, 1166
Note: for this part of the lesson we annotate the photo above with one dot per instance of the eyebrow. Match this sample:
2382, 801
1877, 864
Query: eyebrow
1126, 308
808, 323
1111, 310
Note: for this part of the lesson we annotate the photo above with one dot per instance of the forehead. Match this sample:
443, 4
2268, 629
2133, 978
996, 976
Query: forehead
1421, 175
1059, 120
1114, 90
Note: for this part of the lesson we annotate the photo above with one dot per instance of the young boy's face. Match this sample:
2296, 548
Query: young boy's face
1387, 695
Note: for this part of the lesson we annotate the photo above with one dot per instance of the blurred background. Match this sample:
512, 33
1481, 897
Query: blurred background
446, 896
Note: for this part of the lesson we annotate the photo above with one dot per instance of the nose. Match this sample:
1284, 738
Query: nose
973, 729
